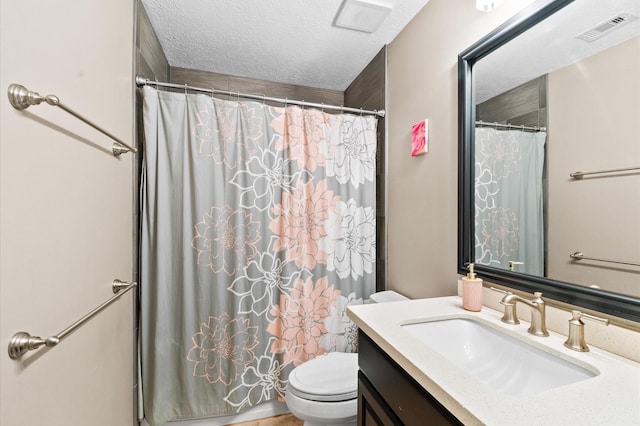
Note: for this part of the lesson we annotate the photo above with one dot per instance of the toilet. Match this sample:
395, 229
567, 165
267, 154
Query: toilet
324, 390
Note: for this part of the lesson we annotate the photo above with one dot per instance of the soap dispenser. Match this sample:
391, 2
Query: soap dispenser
471, 291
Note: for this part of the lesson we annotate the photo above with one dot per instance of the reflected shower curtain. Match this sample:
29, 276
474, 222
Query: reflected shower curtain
257, 230
509, 199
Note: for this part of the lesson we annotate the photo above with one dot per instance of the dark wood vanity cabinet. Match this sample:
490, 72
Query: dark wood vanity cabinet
387, 395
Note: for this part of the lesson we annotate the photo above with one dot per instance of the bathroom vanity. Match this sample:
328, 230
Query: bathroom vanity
406, 378
387, 395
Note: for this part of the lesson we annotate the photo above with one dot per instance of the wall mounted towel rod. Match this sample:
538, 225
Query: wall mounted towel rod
141, 81
579, 256
22, 98
579, 175
22, 342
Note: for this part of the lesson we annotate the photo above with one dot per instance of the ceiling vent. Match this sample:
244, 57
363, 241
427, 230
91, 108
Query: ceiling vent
361, 15
607, 26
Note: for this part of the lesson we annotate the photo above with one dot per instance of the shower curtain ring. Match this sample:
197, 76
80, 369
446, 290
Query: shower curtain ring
238, 96
263, 99
285, 102
360, 111
156, 82
303, 104
322, 107
185, 88
341, 109
212, 92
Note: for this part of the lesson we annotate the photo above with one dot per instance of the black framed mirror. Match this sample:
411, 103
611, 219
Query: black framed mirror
575, 293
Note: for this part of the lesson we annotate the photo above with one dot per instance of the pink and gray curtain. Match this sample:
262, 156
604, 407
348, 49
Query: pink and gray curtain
257, 230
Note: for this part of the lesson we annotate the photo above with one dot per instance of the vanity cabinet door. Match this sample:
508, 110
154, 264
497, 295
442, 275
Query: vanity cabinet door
372, 410
390, 396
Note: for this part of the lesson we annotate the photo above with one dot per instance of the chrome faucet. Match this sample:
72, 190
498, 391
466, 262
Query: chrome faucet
538, 320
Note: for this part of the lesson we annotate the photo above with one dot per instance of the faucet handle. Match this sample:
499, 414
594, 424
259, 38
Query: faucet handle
578, 315
513, 263
575, 339
510, 315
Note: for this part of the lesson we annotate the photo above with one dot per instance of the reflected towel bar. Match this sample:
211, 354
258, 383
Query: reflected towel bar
580, 175
22, 342
22, 98
579, 256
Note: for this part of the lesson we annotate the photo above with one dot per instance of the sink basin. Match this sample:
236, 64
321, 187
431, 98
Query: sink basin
498, 360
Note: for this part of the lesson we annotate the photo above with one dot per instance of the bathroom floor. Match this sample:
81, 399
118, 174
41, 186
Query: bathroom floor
284, 420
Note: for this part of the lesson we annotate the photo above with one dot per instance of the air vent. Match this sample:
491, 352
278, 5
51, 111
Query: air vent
361, 15
607, 26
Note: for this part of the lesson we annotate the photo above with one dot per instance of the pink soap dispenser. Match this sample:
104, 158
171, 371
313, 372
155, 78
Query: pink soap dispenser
471, 291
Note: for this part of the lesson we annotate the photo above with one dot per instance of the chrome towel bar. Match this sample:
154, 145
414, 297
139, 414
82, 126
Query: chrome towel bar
579, 256
22, 342
580, 175
22, 98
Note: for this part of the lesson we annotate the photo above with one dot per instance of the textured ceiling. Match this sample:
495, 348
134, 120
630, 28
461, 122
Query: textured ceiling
287, 41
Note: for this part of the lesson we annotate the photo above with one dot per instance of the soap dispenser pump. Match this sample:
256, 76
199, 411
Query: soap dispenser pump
472, 291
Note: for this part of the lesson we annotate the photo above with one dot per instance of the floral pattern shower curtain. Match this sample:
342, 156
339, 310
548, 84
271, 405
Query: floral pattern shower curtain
257, 230
509, 199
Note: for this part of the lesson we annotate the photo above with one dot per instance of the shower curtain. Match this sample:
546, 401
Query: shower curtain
257, 230
509, 199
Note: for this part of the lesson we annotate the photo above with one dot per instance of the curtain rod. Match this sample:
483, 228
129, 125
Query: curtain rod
141, 81
511, 126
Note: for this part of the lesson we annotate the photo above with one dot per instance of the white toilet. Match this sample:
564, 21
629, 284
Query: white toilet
324, 390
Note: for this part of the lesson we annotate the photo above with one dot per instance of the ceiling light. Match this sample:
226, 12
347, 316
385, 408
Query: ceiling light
361, 15
487, 5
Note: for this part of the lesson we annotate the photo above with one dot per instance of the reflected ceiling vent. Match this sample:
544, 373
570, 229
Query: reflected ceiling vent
361, 15
607, 26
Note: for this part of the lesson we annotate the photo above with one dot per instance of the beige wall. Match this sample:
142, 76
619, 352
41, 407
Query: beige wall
594, 113
422, 191
66, 212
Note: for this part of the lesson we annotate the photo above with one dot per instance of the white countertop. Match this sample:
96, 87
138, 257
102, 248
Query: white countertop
611, 398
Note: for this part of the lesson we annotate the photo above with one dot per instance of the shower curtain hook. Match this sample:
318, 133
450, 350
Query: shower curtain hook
237, 96
212, 91
522, 128
185, 88
341, 109
322, 107
285, 102
156, 84
303, 104
360, 111
263, 99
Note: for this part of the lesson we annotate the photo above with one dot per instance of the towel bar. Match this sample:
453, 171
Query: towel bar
23, 342
579, 256
580, 175
22, 98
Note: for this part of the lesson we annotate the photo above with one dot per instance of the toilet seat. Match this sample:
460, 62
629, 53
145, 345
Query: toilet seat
328, 378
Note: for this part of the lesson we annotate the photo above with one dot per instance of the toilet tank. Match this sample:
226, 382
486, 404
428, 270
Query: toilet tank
387, 296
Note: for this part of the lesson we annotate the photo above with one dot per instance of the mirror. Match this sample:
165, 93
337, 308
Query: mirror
533, 71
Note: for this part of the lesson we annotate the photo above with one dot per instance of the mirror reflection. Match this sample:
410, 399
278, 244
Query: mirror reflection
563, 97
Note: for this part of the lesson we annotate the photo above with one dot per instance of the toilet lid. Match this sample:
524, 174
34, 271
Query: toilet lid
331, 377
